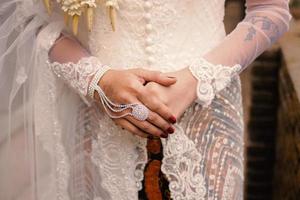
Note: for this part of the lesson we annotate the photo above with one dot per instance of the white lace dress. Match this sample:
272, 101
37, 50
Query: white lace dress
203, 159
89, 157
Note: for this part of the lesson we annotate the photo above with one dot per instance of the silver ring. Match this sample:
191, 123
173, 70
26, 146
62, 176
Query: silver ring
140, 112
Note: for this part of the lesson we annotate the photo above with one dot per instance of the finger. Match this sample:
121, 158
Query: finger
155, 76
147, 127
159, 128
131, 128
158, 107
159, 122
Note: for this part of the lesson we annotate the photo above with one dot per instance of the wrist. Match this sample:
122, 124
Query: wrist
190, 84
77, 75
97, 80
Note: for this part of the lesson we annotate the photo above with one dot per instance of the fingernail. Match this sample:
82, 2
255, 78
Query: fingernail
164, 135
171, 77
172, 119
170, 130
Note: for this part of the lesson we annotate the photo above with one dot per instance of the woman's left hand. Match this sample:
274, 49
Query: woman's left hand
179, 96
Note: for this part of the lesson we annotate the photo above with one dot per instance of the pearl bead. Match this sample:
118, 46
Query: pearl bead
148, 5
149, 50
149, 41
149, 28
148, 17
150, 60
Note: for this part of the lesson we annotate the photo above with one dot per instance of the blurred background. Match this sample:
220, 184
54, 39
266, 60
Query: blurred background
271, 94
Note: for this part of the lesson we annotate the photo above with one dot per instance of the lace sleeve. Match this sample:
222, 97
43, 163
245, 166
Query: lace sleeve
71, 63
77, 75
265, 22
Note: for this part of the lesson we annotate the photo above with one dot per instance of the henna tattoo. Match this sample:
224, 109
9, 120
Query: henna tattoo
265, 24
251, 34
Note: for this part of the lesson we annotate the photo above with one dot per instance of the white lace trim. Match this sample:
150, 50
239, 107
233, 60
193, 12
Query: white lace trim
77, 75
121, 159
181, 164
140, 162
211, 79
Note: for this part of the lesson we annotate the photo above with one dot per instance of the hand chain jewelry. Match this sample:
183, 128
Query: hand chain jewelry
211, 79
84, 76
139, 111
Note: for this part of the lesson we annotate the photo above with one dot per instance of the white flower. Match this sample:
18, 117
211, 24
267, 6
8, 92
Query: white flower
112, 3
76, 7
90, 3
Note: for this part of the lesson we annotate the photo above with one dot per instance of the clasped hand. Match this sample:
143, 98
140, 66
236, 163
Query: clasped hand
166, 96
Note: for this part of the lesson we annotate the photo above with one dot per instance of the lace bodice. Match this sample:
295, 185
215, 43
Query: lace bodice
155, 34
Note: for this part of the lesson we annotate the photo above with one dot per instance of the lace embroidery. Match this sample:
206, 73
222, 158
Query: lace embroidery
50, 135
231, 183
167, 20
77, 75
211, 79
120, 158
140, 162
181, 164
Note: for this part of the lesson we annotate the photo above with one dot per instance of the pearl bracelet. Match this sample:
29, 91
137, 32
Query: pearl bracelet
211, 79
94, 82
84, 77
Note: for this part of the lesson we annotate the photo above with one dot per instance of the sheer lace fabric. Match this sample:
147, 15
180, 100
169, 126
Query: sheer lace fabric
76, 152
264, 23
79, 74
204, 158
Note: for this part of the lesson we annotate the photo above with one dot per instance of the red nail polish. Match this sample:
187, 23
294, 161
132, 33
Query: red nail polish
170, 130
164, 135
172, 119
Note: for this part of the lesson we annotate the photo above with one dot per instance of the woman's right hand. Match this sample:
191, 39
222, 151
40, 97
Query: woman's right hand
127, 86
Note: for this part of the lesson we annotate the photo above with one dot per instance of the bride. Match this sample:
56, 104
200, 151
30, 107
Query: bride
126, 99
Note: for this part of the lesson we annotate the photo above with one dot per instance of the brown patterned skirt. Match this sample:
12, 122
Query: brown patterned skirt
155, 184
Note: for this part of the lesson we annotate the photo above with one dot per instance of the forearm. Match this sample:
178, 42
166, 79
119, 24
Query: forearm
265, 22
67, 50
73, 64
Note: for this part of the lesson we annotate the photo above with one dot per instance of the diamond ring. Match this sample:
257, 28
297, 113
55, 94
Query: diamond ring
140, 112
